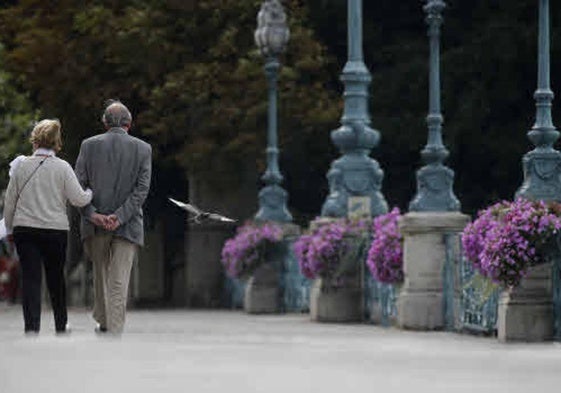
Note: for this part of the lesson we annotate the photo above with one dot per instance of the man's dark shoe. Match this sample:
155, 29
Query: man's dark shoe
100, 329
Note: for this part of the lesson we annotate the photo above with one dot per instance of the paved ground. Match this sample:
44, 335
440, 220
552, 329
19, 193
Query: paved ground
222, 351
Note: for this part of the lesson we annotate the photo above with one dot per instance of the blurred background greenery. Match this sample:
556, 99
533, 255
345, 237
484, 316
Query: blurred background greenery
191, 74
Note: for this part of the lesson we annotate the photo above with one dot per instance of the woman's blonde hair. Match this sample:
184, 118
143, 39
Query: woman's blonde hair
46, 134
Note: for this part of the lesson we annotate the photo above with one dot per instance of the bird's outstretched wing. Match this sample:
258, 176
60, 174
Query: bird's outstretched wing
199, 214
218, 217
186, 206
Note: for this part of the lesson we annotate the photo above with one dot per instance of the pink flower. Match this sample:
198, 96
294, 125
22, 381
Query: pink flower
509, 237
321, 251
385, 256
243, 253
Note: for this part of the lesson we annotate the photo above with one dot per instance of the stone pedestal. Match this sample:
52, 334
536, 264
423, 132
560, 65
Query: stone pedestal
526, 312
263, 293
421, 302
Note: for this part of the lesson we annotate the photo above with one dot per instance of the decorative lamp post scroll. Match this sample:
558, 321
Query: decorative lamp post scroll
542, 165
271, 37
434, 180
355, 174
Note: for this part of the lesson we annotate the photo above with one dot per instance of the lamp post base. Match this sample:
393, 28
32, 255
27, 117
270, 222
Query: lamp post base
434, 185
354, 175
541, 176
272, 205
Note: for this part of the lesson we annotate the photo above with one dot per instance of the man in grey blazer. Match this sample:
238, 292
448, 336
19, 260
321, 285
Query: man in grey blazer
117, 168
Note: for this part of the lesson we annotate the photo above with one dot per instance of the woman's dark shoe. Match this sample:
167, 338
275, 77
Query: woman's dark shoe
66, 330
100, 329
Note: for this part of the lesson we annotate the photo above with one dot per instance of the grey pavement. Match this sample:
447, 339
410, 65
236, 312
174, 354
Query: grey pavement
229, 351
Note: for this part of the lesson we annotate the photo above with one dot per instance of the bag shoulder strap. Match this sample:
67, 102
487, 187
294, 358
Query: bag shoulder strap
27, 181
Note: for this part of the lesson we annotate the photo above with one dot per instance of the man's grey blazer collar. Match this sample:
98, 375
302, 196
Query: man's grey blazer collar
117, 130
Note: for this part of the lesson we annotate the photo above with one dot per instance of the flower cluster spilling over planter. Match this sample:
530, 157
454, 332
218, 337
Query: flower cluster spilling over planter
326, 250
246, 251
509, 237
322, 251
385, 256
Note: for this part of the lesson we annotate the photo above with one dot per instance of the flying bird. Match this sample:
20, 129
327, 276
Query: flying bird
200, 215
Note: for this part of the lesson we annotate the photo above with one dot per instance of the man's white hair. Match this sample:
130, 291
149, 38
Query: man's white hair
116, 115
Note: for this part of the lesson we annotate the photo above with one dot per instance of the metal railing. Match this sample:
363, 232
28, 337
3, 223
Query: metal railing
463, 289
380, 301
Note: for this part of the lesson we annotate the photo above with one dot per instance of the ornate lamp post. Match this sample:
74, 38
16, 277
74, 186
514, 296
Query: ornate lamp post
434, 180
526, 312
543, 164
355, 174
271, 37
427, 299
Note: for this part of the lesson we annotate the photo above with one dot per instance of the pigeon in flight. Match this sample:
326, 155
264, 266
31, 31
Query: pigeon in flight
200, 215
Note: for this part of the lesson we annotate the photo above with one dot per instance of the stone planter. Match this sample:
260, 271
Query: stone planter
526, 312
342, 301
336, 304
262, 293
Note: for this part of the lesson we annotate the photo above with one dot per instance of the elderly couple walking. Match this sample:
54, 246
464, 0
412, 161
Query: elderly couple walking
110, 184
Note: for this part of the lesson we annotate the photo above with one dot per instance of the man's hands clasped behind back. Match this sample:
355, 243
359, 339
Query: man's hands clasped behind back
108, 222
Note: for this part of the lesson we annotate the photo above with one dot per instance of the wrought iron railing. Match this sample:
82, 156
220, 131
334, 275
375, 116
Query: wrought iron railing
380, 301
295, 287
556, 277
465, 291
233, 292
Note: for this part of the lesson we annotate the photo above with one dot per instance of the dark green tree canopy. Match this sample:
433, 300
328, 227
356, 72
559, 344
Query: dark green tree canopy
191, 74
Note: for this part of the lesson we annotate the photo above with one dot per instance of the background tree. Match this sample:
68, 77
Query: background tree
191, 74
16, 119
189, 70
489, 69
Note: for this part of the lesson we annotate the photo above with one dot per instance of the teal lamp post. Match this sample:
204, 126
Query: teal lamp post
542, 165
355, 176
530, 303
434, 180
271, 37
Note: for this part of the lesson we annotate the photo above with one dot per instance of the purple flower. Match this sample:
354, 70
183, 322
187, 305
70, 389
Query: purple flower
509, 237
321, 251
243, 253
385, 256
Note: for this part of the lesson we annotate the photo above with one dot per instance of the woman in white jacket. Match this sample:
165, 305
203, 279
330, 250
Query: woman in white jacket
35, 213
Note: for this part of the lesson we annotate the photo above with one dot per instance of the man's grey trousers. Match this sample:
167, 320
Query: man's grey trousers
112, 259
